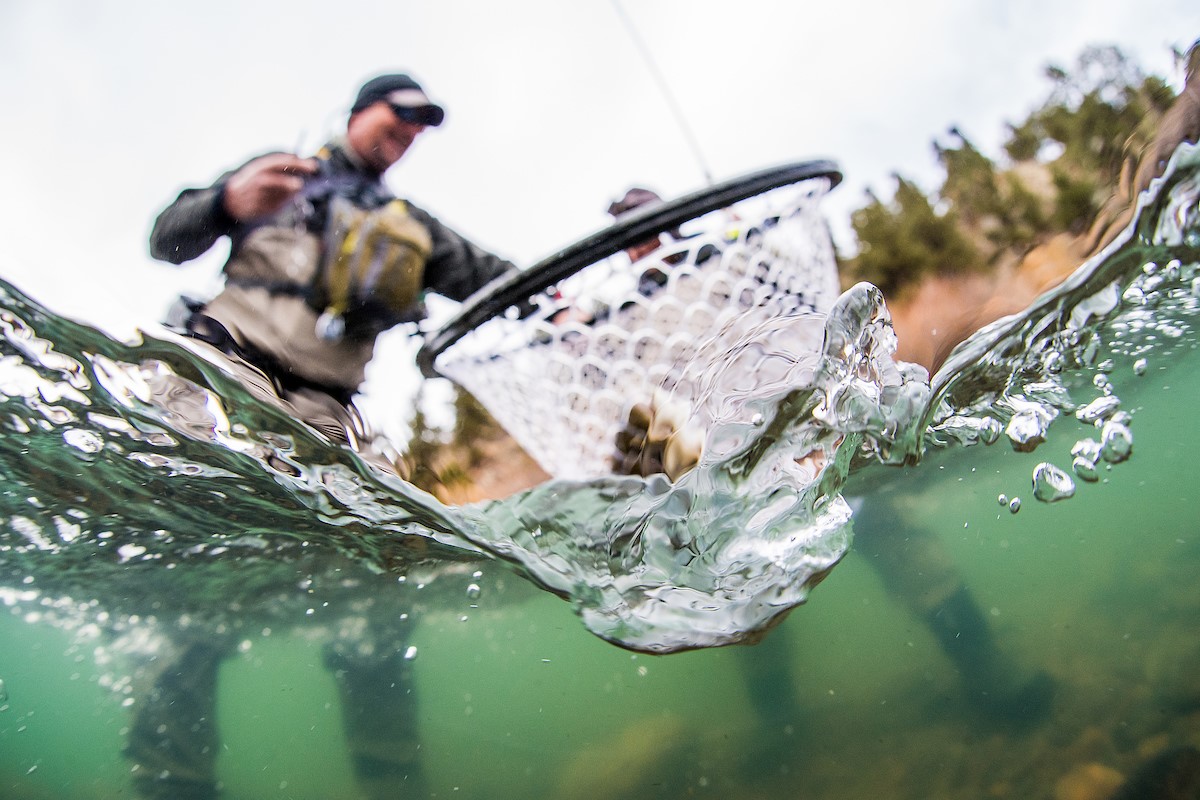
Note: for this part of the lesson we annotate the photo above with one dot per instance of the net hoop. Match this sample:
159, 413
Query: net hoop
515, 288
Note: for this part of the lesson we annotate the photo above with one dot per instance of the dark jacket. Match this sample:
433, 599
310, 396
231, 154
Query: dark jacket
271, 301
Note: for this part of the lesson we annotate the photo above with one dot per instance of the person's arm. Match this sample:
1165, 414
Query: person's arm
192, 224
457, 267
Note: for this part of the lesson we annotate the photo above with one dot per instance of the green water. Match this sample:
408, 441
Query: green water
518, 700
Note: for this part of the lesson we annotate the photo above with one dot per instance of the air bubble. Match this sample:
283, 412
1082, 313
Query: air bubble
1087, 449
1027, 429
3, 695
1098, 409
1084, 469
1139, 366
1014, 505
410, 653
473, 591
84, 441
1053, 362
1002, 499
1051, 484
1116, 442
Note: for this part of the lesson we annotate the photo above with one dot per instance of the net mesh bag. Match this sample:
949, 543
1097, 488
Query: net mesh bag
564, 372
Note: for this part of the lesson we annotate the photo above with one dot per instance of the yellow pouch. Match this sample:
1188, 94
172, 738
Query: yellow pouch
373, 257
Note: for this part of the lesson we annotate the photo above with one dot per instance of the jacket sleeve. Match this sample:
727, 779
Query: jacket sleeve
456, 267
188, 227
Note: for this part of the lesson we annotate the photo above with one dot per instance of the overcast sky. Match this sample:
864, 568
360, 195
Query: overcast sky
109, 108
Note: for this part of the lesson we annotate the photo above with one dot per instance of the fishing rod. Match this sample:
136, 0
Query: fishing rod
663, 87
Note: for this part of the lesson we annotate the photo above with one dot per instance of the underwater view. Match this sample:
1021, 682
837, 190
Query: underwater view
1006, 552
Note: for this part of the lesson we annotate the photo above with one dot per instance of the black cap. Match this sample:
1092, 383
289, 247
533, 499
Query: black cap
404, 95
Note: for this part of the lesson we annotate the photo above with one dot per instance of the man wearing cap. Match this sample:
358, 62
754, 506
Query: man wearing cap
323, 259
323, 256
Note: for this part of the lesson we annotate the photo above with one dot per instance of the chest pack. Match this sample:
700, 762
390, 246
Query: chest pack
372, 270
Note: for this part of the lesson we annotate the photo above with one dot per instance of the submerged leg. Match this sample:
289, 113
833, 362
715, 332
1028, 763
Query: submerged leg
915, 568
173, 734
379, 715
771, 683
994, 682
771, 688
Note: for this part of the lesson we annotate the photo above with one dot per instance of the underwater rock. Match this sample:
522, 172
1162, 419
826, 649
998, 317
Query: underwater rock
626, 761
1092, 781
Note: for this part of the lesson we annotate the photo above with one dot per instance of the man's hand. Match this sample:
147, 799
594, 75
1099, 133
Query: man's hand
265, 185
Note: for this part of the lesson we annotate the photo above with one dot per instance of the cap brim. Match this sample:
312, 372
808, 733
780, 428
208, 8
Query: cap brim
421, 115
411, 105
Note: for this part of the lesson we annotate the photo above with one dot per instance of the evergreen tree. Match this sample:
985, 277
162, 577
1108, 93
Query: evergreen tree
1095, 121
1096, 118
907, 239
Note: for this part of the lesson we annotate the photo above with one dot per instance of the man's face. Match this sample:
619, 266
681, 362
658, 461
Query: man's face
380, 137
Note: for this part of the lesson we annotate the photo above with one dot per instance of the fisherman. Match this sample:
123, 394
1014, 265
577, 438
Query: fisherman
324, 258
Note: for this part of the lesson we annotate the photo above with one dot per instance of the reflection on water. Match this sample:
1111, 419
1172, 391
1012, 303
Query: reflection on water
147, 493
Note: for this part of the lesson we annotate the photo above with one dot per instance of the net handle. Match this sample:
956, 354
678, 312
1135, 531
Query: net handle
640, 225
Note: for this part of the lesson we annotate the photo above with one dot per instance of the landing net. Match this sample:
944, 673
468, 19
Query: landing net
562, 353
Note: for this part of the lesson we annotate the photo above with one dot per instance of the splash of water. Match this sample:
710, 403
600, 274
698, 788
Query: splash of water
144, 479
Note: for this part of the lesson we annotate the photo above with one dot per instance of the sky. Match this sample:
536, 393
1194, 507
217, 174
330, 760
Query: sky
109, 107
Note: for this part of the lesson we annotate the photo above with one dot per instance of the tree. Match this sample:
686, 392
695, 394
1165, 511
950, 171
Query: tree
1064, 161
907, 239
1095, 119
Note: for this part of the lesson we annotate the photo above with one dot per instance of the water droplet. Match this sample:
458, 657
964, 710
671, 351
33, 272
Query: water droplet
473, 591
1139, 367
1014, 505
1002, 499
1084, 469
410, 653
1116, 442
1051, 484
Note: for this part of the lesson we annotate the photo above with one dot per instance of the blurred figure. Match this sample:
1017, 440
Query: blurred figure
323, 259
